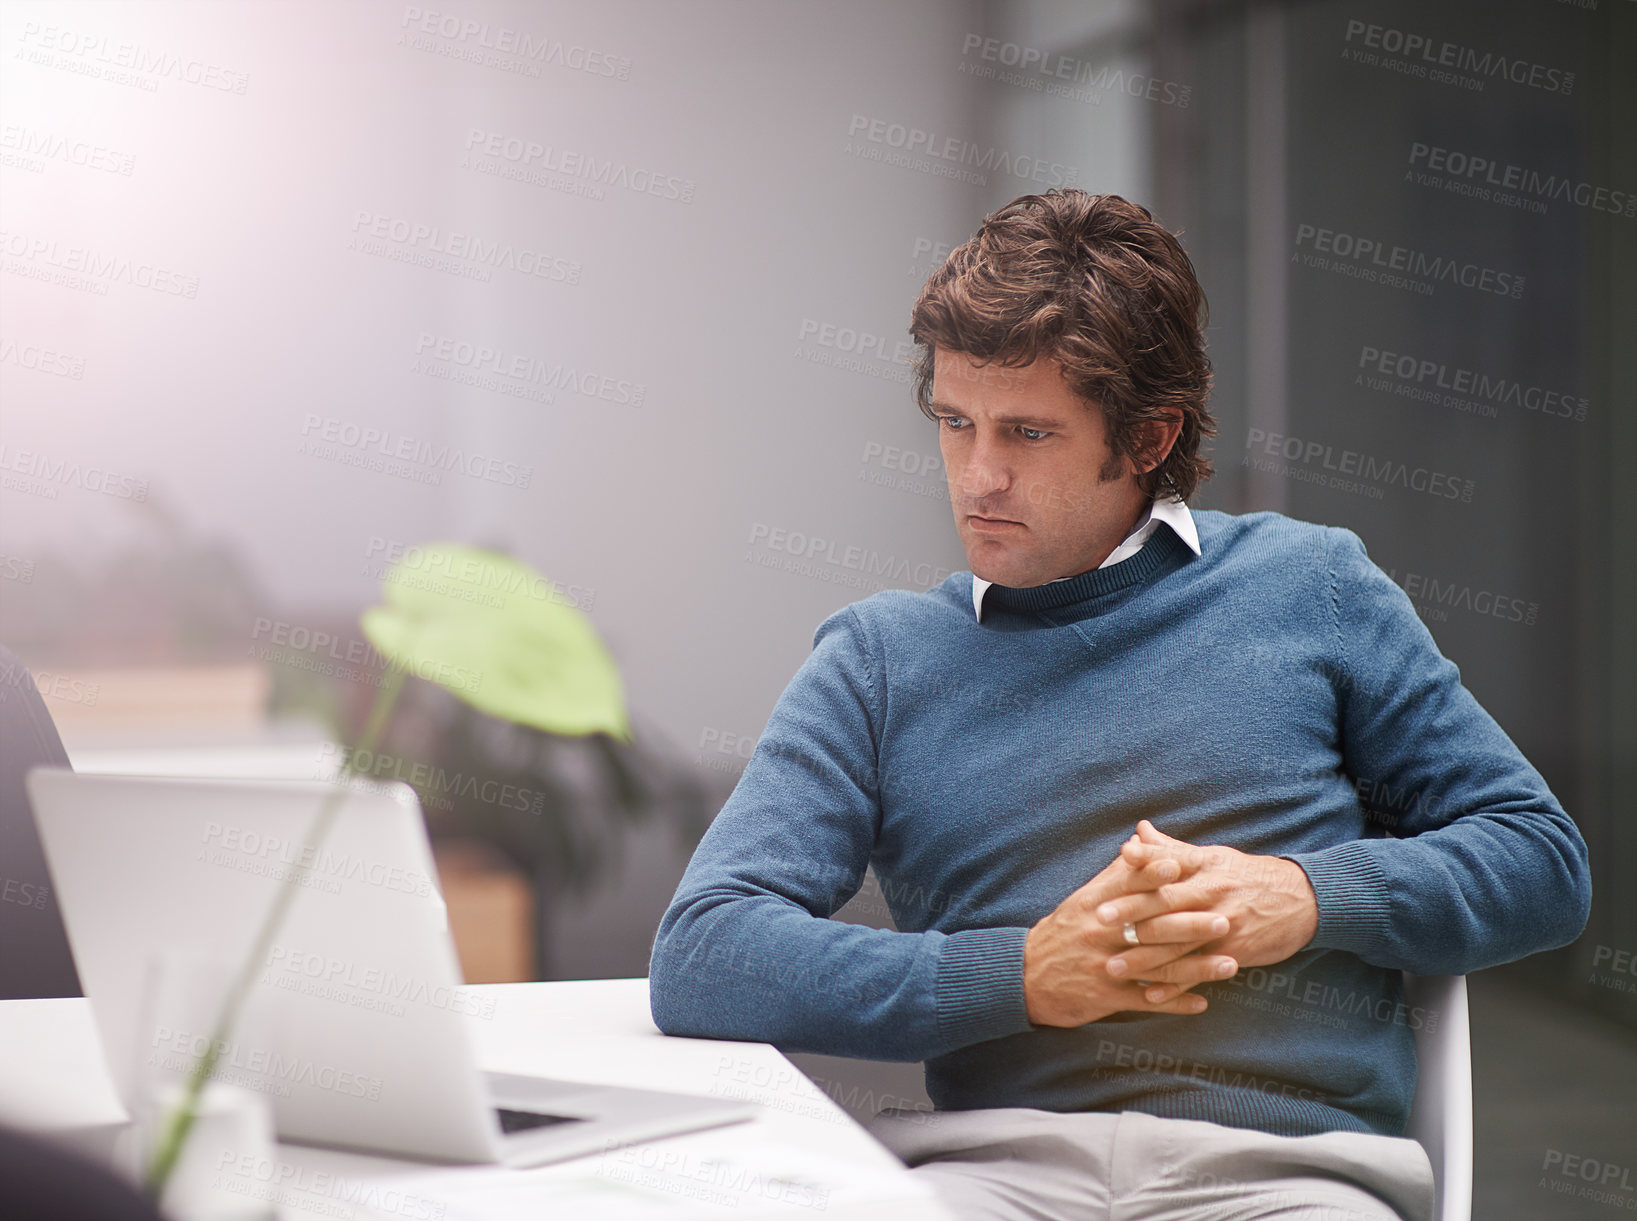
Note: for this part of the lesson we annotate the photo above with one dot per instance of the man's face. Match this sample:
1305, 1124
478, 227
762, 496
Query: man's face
1037, 493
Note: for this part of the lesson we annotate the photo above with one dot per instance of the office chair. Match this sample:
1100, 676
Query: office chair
35, 960
1441, 1114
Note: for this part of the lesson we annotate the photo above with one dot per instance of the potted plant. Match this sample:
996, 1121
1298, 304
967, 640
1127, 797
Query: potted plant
482, 627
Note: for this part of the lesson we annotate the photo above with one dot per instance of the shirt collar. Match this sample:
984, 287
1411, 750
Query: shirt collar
1169, 511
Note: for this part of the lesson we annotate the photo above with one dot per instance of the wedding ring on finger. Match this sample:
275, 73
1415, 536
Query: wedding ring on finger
1131, 934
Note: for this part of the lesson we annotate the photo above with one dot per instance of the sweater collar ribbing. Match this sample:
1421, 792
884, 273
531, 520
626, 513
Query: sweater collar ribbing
1162, 550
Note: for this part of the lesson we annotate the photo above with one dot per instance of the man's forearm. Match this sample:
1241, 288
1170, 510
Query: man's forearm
746, 966
1484, 890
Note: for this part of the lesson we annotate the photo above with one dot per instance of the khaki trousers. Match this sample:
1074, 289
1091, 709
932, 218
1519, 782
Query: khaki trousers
1020, 1164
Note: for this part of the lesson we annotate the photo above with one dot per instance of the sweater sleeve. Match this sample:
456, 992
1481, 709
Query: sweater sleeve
746, 949
1481, 865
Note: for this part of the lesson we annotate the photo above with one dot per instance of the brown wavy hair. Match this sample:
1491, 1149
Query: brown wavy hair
1095, 282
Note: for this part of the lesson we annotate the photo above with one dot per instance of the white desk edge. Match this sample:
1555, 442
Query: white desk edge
594, 1030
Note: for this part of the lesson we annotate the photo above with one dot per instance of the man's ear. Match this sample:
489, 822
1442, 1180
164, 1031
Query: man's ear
1155, 439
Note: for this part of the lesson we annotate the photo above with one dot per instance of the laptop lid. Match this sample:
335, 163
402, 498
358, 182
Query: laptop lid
356, 1027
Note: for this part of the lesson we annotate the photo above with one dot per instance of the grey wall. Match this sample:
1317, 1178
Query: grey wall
275, 205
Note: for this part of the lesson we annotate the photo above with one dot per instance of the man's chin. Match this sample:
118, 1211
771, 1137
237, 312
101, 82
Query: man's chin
1001, 570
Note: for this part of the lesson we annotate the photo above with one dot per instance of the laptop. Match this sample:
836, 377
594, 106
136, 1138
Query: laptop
357, 1028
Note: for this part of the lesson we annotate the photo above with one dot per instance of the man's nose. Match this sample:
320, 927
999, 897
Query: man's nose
985, 471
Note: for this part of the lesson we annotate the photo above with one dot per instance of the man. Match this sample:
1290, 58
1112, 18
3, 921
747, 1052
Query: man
1135, 758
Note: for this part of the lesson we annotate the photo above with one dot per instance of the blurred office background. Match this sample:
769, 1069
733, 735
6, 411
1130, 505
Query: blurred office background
287, 290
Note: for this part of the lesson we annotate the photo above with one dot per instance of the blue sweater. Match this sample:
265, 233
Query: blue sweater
1276, 693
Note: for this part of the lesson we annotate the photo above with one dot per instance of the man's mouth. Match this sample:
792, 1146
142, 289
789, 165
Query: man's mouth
995, 525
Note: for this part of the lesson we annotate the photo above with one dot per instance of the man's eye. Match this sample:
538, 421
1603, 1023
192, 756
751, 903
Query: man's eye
953, 422
1032, 434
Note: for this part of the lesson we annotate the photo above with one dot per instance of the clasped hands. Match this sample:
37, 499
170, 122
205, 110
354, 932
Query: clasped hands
1200, 914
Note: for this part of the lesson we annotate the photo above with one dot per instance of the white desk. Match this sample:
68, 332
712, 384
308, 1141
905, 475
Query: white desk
802, 1156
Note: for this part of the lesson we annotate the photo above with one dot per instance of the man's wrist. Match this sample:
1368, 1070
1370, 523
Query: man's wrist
1300, 886
980, 985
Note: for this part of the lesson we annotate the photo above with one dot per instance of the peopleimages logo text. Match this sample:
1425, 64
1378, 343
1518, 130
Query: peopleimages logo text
508, 41
482, 358
438, 456
958, 151
1490, 180
1441, 53
89, 478
865, 560
50, 146
1317, 457
1046, 71
436, 240
98, 265
42, 360
1386, 256
134, 56
574, 163
1437, 375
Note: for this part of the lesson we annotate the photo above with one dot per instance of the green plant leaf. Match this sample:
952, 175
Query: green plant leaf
498, 635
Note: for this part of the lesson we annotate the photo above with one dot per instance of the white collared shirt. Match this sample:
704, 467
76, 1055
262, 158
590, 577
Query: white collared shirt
1171, 512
